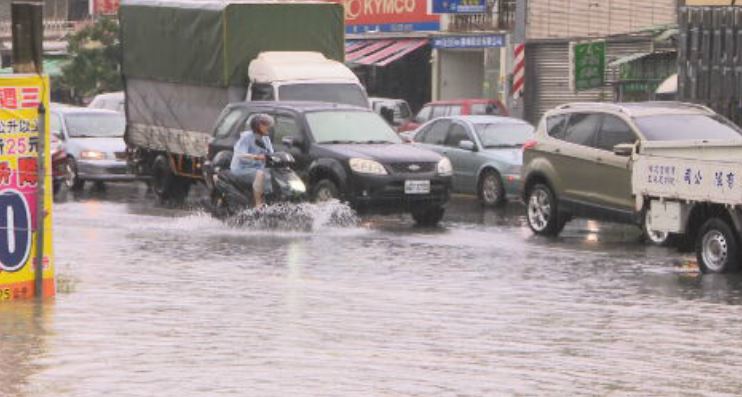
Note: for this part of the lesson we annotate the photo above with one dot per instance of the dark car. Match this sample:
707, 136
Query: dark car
348, 153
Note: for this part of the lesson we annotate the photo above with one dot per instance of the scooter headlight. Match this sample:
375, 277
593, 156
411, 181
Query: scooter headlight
297, 185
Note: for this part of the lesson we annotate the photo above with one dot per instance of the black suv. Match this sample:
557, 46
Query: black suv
347, 153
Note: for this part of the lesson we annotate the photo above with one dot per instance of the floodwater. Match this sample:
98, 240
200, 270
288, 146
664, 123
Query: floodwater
157, 301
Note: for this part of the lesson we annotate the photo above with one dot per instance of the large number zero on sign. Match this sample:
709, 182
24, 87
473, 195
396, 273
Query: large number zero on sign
15, 230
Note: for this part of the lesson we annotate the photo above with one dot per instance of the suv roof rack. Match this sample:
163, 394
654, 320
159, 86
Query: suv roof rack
677, 104
577, 105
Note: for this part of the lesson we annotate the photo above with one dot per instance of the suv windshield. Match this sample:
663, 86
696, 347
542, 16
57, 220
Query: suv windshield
348, 94
503, 135
95, 125
687, 126
349, 126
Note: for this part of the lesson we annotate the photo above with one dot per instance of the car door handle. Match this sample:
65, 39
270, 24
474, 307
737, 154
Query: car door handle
599, 159
557, 150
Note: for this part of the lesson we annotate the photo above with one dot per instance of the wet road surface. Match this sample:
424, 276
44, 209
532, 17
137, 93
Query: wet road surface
157, 301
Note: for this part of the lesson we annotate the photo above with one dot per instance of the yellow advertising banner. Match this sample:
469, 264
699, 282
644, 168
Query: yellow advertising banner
20, 96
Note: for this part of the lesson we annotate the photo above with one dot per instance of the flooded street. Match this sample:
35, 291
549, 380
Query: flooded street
170, 302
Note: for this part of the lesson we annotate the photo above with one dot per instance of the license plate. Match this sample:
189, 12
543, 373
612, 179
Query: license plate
417, 187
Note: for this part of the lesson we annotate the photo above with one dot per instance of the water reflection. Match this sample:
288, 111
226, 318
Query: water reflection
23, 340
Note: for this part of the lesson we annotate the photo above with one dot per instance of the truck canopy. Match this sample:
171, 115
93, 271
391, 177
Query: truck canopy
212, 43
291, 66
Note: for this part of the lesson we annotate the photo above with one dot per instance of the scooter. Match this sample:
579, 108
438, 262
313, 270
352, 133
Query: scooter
231, 194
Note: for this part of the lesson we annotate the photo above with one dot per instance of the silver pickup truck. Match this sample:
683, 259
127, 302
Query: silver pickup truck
695, 188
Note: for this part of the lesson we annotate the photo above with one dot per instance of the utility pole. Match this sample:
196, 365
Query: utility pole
27, 27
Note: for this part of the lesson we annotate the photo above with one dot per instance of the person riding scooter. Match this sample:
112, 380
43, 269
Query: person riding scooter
248, 161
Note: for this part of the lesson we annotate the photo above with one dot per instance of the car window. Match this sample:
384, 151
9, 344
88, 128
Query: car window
349, 94
95, 125
556, 126
582, 127
438, 111
687, 126
499, 135
227, 122
485, 109
436, 135
454, 110
286, 126
614, 131
332, 127
456, 134
261, 92
423, 115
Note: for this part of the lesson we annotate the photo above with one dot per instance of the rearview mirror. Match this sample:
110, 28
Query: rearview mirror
623, 149
467, 145
291, 141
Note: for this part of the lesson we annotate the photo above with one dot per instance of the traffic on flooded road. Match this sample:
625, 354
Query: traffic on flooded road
360, 306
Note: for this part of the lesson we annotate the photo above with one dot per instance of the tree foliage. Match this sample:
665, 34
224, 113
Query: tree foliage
95, 65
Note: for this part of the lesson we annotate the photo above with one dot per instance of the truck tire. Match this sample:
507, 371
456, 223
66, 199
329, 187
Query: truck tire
429, 217
491, 189
717, 247
542, 213
167, 186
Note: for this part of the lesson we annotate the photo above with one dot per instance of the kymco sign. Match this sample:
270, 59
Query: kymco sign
388, 16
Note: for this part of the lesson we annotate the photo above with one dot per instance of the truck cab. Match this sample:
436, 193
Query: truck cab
303, 76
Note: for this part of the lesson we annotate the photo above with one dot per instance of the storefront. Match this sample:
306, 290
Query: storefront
469, 66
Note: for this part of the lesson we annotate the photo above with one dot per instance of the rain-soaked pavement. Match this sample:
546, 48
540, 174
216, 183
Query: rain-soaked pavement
169, 302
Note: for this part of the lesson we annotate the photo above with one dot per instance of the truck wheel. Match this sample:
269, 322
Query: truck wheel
717, 247
428, 217
166, 185
325, 190
662, 239
542, 213
491, 189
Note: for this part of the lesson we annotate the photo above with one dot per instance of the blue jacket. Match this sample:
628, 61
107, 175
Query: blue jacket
248, 144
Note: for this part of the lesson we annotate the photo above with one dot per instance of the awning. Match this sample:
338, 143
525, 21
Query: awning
380, 52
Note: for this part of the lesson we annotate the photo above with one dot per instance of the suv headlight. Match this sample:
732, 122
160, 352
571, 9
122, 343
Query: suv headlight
92, 155
365, 166
444, 167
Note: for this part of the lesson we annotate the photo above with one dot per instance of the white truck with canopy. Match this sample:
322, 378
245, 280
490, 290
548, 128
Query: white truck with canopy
694, 186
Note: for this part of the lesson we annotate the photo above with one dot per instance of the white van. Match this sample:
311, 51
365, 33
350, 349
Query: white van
303, 76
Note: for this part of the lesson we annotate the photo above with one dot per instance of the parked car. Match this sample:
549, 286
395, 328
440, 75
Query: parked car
401, 113
94, 145
111, 101
485, 151
578, 165
456, 107
345, 152
59, 157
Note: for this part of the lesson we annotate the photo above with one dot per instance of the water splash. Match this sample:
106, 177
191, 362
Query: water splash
303, 217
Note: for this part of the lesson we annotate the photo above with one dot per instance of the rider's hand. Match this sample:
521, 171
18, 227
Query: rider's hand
260, 157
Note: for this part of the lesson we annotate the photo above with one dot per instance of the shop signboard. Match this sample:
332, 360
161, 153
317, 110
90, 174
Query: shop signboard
20, 96
481, 41
587, 65
362, 16
459, 6
104, 7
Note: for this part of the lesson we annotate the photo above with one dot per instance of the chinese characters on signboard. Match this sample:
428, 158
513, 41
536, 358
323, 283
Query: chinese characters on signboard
20, 97
587, 65
486, 41
458, 6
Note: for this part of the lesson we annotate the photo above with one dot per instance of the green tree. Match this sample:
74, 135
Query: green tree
95, 64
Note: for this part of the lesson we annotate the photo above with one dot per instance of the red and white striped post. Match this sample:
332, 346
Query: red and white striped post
519, 70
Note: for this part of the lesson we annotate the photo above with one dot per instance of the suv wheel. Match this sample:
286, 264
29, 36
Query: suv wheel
662, 239
491, 189
325, 190
542, 213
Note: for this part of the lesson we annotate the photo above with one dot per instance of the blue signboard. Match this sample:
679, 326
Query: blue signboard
484, 41
459, 6
394, 27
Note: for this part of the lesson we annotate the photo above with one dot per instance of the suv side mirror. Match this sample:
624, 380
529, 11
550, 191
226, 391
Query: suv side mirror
291, 141
623, 149
467, 145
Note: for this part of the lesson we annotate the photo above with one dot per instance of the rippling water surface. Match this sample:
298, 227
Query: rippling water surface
167, 302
